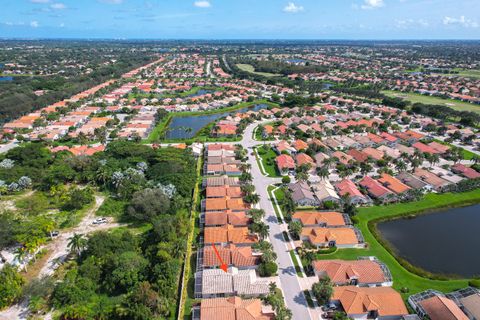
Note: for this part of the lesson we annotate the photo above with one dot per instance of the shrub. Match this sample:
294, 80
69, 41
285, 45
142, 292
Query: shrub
267, 269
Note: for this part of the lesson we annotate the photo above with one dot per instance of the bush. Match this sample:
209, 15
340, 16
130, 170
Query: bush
267, 269
286, 180
474, 283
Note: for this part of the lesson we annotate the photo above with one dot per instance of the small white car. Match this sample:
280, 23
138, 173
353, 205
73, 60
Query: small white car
100, 221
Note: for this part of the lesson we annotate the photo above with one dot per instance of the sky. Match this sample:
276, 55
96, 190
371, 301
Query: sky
241, 19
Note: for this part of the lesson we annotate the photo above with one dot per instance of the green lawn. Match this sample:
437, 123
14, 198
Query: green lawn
466, 73
415, 97
401, 276
295, 263
271, 194
267, 157
251, 69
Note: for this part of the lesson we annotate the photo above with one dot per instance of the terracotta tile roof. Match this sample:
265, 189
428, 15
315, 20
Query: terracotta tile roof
347, 186
223, 191
441, 148
284, 161
441, 308
424, 148
233, 308
358, 155
466, 171
360, 300
343, 271
308, 218
300, 145
374, 187
226, 217
342, 236
393, 184
230, 234
303, 158
374, 153
430, 178
231, 255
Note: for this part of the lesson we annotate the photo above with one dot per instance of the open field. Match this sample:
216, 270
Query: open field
475, 74
415, 97
402, 278
251, 69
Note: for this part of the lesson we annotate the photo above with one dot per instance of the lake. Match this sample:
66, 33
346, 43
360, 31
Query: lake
176, 129
445, 242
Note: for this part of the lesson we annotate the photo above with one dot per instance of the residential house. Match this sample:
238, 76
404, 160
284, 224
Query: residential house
285, 163
232, 308
376, 190
302, 194
393, 184
369, 303
239, 257
341, 237
325, 192
364, 272
234, 282
320, 219
346, 188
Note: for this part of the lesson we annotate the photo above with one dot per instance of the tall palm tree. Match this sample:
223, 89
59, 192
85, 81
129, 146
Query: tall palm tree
77, 243
323, 172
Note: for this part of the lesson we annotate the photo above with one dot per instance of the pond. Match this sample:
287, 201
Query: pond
446, 242
200, 92
178, 128
6, 78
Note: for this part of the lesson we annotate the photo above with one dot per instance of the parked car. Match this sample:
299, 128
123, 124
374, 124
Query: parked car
100, 221
55, 233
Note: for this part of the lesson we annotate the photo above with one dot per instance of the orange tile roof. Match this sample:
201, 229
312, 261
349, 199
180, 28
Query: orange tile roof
393, 183
223, 191
230, 234
360, 300
342, 271
342, 236
316, 217
233, 308
441, 308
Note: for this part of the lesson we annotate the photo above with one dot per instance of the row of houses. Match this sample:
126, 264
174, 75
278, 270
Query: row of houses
226, 280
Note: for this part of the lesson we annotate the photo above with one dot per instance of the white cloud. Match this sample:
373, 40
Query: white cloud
292, 8
58, 6
39, 1
62, 25
462, 21
202, 4
411, 23
372, 4
34, 24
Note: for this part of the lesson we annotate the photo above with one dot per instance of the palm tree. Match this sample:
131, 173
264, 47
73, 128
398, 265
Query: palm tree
20, 256
252, 198
323, 172
77, 243
401, 165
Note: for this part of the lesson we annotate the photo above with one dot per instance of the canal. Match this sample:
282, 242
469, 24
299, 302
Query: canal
446, 242
187, 127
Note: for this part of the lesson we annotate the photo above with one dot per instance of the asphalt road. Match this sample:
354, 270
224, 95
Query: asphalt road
292, 291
